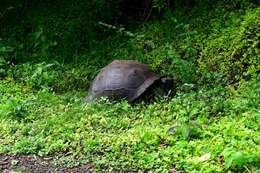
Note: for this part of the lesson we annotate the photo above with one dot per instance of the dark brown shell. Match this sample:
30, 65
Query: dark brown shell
123, 79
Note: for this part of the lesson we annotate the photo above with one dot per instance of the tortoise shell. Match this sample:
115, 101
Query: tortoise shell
123, 79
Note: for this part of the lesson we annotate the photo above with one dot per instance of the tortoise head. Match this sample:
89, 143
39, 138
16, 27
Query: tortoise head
162, 87
166, 83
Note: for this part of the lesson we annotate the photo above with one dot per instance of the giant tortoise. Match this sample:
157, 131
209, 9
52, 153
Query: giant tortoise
128, 79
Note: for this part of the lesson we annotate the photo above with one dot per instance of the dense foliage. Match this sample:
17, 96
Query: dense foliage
51, 51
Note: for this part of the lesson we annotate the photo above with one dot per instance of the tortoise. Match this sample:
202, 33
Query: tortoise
127, 79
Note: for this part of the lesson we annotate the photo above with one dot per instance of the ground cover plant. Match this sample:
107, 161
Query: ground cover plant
210, 124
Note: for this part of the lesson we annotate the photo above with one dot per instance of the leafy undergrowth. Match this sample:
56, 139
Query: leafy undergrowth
209, 130
211, 51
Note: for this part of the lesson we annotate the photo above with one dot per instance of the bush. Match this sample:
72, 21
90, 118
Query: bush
60, 31
232, 53
52, 76
4, 53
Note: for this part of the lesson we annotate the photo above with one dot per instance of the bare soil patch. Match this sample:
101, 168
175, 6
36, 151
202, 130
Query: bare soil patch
34, 164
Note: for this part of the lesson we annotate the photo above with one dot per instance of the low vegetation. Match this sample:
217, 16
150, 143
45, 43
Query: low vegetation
210, 124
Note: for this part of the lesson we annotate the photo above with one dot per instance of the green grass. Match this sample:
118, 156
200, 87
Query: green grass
47, 64
222, 123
